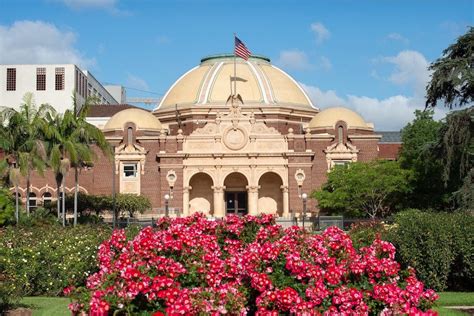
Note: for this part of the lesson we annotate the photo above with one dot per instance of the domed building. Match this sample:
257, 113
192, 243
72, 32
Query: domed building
223, 144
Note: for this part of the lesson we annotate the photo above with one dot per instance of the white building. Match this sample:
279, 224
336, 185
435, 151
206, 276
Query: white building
118, 92
52, 84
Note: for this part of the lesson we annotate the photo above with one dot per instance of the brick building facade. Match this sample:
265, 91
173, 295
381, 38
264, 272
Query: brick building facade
221, 143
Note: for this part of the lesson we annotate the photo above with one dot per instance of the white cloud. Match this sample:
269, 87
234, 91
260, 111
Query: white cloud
325, 63
107, 5
321, 32
389, 114
323, 99
90, 4
398, 37
411, 68
293, 60
29, 42
136, 82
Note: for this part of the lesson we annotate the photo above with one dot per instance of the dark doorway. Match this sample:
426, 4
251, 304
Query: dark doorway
236, 203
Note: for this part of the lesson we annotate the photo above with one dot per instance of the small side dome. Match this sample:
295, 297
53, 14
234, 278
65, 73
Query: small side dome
142, 119
328, 118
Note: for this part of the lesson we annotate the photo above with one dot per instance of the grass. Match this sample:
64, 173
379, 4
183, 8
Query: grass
47, 306
57, 306
453, 299
456, 299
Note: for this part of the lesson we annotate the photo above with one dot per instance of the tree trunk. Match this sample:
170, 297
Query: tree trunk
76, 189
58, 200
17, 209
64, 203
28, 184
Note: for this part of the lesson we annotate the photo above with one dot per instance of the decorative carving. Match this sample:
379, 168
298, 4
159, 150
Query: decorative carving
290, 133
218, 189
262, 128
180, 136
300, 176
252, 118
252, 188
235, 138
133, 152
208, 129
344, 152
171, 178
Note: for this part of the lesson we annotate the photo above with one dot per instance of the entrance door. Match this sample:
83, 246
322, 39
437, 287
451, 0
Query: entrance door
236, 203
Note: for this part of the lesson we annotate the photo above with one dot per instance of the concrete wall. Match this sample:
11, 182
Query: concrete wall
59, 99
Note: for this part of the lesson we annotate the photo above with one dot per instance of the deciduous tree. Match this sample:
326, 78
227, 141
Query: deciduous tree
364, 189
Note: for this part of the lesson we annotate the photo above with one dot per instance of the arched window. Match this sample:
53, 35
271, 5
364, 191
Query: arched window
129, 136
32, 201
47, 199
340, 135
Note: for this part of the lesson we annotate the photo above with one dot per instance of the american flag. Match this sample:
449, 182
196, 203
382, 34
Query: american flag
241, 50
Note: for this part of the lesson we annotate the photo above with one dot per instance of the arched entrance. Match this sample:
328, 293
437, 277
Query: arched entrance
270, 196
201, 194
236, 198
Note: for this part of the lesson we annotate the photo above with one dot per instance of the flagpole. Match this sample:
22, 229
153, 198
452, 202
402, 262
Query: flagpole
235, 69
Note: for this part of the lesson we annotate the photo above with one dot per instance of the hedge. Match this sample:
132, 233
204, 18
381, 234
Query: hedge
440, 246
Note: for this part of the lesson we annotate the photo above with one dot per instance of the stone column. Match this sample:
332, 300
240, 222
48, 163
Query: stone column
286, 212
253, 199
186, 200
219, 207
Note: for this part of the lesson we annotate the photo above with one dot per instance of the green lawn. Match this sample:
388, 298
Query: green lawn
57, 306
47, 306
454, 299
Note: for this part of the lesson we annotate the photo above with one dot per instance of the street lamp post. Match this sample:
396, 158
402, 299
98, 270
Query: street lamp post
167, 198
114, 215
304, 196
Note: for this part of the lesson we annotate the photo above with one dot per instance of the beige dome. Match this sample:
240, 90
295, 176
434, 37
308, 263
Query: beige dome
328, 118
259, 82
142, 119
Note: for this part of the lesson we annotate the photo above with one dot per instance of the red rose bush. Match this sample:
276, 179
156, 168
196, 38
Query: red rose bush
247, 265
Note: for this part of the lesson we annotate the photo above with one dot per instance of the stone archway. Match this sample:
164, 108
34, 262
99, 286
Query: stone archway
235, 195
270, 197
201, 194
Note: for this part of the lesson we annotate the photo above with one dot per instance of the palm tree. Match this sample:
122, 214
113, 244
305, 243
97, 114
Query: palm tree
22, 141
10, 139
70, 138
32, 153
62, 148
89, 135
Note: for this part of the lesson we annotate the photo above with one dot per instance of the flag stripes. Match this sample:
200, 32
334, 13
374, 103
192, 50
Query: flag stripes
241, 50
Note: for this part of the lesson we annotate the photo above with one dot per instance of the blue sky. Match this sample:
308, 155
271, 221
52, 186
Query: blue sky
370, 56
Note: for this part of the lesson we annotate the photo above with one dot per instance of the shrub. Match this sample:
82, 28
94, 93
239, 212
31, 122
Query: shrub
129, 204
89, 203
39, 217
364, 233
7, 207
42, 260
246, 265
125, 204
438, 245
